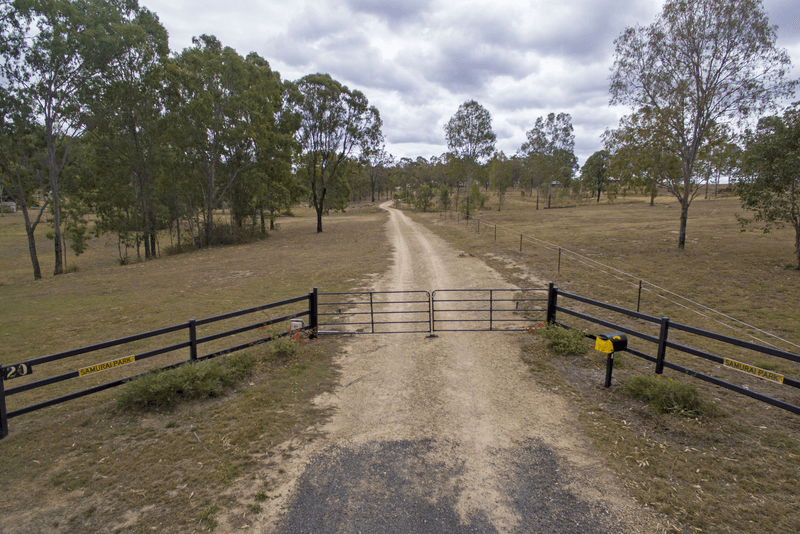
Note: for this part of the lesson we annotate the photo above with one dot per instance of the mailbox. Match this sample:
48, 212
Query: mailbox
610, 343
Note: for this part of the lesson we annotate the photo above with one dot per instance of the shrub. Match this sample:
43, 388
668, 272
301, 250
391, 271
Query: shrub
283, 347
666, 396
566, 341
161, 390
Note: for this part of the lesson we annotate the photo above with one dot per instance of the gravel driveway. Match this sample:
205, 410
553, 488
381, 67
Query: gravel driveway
446, 434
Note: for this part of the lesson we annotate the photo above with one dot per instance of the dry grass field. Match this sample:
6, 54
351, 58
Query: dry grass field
87, 465
734, 470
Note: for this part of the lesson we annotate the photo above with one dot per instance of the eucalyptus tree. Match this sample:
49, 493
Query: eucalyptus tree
549, 152
375, 160
335, 124
130, 130
701, 63
594, 173
502, 173
643, 158
65, 47
470, 138
222, 108
23, 176
769, 184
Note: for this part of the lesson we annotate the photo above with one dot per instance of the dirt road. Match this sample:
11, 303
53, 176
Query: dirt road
449, 434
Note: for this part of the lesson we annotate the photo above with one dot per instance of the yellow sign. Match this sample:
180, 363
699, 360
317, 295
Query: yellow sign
606, 345
761, 373
105, 366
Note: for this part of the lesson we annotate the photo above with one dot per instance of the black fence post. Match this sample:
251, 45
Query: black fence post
491, 309
609, 369
313, 312
552, 300
430, 312
662, 345
371, 313
192, 339
3, 412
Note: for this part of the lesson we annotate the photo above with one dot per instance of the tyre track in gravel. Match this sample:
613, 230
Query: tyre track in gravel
447, 434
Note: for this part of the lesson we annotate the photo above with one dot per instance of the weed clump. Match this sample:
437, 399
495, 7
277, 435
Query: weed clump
283, 347
565, 341
666, 396
161, 390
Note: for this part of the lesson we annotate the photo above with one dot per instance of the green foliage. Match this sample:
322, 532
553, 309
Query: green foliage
469, 132
503, 172
423, 200
770, 182
335, 123
548, 154
701, 64
566, 341
470, 138
594, 173
444, 198
161, 390
667, 396
476, 198
225, 234
283, 347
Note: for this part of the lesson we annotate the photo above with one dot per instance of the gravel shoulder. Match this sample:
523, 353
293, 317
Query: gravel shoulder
444, 434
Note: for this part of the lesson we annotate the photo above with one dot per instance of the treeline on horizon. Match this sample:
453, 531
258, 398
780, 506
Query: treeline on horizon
104, 130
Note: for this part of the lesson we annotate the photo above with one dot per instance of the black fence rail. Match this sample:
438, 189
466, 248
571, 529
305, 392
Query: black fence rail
660, 342
26, 369
485, 310
375, 312
400, 312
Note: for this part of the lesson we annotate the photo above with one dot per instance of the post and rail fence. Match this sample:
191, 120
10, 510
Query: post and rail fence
405, 312
25, 369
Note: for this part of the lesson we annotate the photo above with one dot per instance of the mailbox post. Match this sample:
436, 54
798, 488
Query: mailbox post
609, 344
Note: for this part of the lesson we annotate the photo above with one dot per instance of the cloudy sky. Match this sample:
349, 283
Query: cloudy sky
418, 60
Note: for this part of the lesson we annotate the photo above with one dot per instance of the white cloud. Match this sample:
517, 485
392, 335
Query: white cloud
418, 60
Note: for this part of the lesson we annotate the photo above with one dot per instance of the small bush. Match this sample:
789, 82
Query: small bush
569, 342
283, 347
666, 396
161, 390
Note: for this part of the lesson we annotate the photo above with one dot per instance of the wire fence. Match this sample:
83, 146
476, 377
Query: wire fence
616, 285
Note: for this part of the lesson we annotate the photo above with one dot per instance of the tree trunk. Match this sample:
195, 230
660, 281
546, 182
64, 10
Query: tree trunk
684, 219
59, 253
797, 244
30, 229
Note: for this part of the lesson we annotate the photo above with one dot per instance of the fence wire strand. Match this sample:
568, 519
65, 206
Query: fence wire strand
654, 288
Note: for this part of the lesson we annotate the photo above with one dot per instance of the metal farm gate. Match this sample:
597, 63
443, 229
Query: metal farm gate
443, 310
